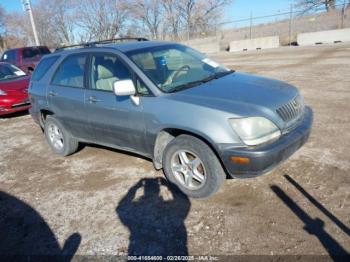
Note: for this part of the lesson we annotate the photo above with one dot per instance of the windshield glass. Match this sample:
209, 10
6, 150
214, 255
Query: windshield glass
175, 67
8, 71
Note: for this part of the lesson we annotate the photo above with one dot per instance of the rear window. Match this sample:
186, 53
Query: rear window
30, 52
43, 67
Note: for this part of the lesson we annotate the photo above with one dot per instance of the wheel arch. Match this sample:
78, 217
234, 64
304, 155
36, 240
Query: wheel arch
43, 114
166, 135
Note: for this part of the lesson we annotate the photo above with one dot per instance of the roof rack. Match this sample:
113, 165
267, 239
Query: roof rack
101, 42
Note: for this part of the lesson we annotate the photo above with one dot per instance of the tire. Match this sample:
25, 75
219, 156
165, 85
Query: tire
195, 180
55, 132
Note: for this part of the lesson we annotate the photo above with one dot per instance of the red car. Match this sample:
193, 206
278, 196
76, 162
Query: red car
13, 89
25, 58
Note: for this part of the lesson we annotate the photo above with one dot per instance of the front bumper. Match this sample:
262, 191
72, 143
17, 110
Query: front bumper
12, 105
265, 157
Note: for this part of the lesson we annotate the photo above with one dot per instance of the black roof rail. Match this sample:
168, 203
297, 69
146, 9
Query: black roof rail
107, 41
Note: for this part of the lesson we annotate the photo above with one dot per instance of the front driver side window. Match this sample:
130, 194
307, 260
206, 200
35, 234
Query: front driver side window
105, 70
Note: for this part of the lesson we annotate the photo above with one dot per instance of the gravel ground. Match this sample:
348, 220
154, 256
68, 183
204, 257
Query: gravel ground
104, 202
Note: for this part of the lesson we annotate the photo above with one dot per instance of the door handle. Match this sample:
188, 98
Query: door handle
93, 99
52, 93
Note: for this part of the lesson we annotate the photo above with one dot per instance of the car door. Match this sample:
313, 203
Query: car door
66, 96
116, 121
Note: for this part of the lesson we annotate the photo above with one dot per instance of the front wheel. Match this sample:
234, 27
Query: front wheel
191, 164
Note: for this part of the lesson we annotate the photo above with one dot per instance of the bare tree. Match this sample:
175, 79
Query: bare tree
150, 14
60, 16
19, 27
97, 20
2, 28
172, 17
200, 16
68, 21
18, 30
309, 5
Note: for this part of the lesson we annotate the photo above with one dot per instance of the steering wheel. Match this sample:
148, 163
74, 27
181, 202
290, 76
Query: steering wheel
176, 73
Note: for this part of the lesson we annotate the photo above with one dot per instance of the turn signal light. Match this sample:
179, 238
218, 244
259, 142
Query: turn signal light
240, 160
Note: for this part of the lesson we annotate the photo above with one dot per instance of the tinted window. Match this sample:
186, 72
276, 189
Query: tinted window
105, 70
9, 55
71, 72
30, 52
43, 67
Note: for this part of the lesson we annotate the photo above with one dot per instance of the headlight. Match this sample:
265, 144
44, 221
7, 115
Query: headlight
2, 93
255, 130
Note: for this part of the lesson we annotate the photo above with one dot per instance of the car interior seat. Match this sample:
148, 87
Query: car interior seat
106, 75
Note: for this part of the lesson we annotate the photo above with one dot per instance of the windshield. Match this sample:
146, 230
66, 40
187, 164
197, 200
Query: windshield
8, 71
175, 67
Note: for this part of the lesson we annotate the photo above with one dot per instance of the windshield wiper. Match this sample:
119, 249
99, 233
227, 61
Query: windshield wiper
204, 80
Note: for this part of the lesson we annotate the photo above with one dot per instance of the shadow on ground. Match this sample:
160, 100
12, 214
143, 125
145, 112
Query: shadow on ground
315, 226
15, 115
23, 232
156, 224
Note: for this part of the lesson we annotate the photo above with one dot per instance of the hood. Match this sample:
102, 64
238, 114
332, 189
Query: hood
13, 85
240, 89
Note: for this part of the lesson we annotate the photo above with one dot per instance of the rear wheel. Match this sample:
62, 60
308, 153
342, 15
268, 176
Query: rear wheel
60, 141
190, 164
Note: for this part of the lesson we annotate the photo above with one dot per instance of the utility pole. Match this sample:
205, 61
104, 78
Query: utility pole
28, 8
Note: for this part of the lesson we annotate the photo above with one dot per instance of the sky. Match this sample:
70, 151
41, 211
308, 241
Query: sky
241, 8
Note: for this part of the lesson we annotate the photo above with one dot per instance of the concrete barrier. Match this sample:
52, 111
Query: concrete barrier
324, 37
205, 45
255, 44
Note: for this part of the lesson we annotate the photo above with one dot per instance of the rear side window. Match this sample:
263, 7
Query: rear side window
43, 67
71, 72
30, 52
9, 55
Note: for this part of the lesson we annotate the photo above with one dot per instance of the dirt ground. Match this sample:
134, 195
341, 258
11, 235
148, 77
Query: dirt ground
101, 202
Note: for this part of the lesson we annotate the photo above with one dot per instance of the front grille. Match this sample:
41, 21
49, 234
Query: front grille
292, 110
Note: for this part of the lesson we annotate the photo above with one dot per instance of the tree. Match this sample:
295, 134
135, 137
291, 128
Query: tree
172, 17
150, 14
49, 20
60, 16
18, 30
2, 28
309, 5
98, 20
201, 16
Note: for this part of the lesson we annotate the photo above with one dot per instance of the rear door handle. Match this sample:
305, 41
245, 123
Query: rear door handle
93, 99
52, 93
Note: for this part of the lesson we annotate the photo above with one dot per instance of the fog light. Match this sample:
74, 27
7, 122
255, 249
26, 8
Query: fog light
240, 160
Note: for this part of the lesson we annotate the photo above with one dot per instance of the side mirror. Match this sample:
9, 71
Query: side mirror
124, 88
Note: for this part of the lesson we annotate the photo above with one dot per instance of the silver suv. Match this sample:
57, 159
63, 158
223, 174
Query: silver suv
196, 119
